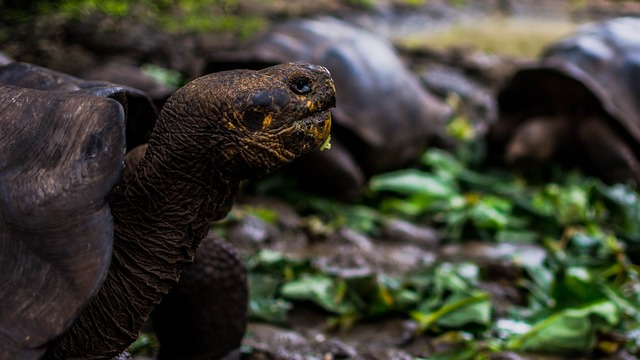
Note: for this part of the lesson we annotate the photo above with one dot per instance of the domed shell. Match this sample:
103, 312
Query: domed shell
597, 69
140, 111
62, 148
383, 116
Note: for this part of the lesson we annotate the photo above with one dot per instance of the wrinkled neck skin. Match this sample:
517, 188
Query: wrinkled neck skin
160, 216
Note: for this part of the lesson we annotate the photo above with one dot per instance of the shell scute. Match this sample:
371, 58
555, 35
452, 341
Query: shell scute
61, 153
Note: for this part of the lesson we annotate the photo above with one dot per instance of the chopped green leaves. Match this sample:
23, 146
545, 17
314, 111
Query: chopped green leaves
326, 145
455, 300
580, 292
568, 331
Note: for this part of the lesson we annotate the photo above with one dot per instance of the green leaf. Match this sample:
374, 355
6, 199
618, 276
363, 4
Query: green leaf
626, 203
411, 207
568, 331
361, 219
628, 302
566, 204
540, 285
457, 277
412, 182
325, 291
508, 328
457, 311
268, 258
275, 262
475, 308
517, 236
263, 301
145, 345
443, 163
490, 212
577, 286
454, 300
270, 310
376, 294
262, 212
162, 75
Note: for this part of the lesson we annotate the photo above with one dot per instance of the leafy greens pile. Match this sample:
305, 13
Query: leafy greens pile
582, 297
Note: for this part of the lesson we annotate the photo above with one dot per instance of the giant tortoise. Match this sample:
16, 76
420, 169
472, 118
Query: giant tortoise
579, 104
383, 120
86, 257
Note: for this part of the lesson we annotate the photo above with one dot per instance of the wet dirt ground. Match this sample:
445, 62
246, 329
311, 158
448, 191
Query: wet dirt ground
402, 247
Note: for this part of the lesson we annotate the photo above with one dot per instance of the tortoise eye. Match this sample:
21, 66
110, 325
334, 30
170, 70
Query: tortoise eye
301, 86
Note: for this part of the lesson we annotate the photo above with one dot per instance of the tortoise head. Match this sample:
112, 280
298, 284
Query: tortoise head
252, 122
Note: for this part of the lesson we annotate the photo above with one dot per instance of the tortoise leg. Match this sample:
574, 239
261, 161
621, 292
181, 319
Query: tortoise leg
607, 152
536, 141
205, 314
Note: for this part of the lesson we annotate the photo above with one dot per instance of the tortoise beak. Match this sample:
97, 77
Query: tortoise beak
316, 128
326, 101
324, 132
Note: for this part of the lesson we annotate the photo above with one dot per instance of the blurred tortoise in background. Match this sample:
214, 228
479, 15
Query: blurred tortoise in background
384, 119
86, 257
579, 105
126, 71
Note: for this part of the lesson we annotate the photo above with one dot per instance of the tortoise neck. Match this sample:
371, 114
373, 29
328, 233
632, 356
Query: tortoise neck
160, 215
178, 188
170, 201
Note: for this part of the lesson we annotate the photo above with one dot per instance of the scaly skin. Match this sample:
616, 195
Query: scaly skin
212, 133
205, 314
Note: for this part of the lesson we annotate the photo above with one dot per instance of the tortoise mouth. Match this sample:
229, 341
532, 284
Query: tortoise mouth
318, 127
